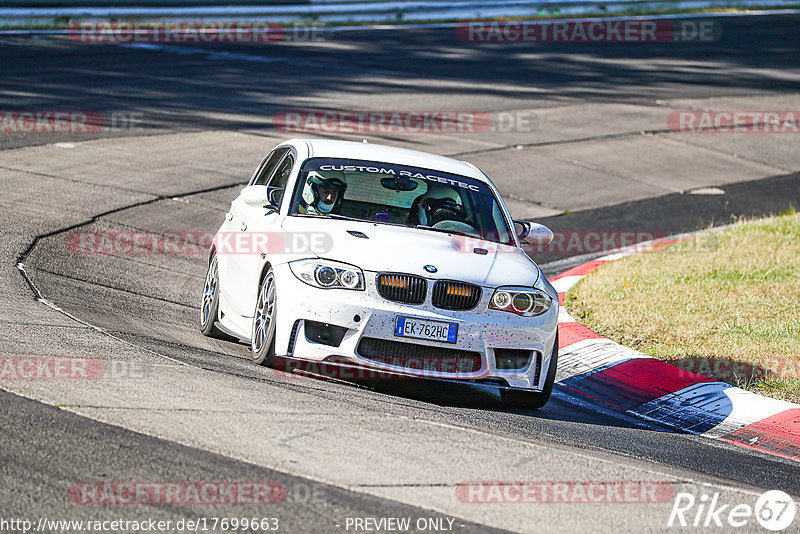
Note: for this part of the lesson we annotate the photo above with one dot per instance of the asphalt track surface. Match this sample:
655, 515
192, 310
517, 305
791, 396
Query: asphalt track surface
236, 88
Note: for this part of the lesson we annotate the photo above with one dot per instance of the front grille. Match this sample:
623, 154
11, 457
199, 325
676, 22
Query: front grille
419, 357
405, 288
455, 295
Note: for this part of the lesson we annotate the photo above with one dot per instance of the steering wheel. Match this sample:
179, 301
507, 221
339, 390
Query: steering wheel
457, 226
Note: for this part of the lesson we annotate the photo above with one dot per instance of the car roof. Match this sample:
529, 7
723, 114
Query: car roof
325, 148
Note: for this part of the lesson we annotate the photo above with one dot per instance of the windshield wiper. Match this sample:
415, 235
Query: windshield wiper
446, 231
327, 216
342, 217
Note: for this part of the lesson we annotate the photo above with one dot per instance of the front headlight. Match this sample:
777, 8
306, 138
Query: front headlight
327, 274
522, 301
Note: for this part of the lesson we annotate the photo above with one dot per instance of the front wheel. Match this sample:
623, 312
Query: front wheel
533, 400
263, 335
209, 305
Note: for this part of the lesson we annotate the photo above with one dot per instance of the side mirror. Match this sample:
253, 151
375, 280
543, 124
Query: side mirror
533, 231
255, 195
262, 196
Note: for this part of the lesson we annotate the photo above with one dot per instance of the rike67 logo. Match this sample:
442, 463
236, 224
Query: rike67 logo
773, 510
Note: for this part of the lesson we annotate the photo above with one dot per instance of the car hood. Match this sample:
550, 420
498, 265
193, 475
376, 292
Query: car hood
388, 248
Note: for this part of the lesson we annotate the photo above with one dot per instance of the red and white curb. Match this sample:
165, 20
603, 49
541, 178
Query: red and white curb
603, 373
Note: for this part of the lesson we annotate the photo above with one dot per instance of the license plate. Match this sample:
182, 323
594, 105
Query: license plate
423, 329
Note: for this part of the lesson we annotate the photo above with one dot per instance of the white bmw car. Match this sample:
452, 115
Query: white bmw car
387, 259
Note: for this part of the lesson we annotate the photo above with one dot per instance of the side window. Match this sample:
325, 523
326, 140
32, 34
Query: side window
267, 166
500, 228
281, 176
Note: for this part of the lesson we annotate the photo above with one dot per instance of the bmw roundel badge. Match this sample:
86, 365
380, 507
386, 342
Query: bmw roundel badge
430, 268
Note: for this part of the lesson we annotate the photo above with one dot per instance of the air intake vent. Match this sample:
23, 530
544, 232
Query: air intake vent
405, 288
511, 359
455, 295
419, 357
324, 333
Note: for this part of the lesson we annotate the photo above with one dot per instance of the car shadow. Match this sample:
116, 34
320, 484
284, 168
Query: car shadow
562, 405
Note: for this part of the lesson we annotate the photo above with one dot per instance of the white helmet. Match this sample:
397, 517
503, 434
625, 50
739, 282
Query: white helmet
317, 184
438, 205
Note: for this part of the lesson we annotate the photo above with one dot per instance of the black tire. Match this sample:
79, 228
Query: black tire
262, 336
531, 400
209, 302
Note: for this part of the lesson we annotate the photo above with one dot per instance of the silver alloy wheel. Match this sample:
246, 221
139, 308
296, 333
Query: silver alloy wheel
265, 308
209, 292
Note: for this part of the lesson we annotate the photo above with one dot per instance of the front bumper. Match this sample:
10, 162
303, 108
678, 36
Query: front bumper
367, 316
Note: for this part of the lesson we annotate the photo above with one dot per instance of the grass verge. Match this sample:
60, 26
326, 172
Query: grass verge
726, 305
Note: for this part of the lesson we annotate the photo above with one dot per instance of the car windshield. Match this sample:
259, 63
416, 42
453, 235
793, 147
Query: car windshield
386, 193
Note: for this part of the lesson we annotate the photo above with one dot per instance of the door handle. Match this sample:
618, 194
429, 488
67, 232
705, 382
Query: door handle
243, 226
229, 216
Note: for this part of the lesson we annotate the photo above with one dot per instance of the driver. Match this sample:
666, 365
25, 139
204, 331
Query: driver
439, 204
322, 194
442, 209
